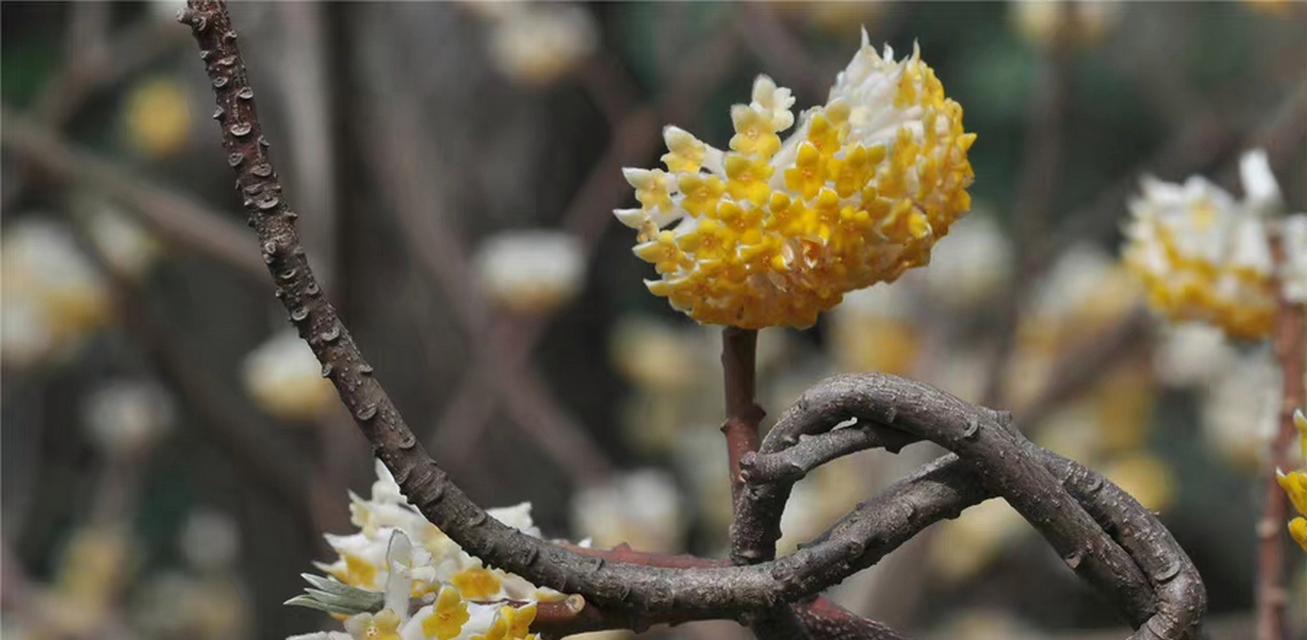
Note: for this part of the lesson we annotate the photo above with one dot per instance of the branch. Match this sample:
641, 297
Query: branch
1142, 569
743, 415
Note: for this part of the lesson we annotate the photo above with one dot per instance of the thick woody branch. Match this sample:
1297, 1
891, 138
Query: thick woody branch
1102, 533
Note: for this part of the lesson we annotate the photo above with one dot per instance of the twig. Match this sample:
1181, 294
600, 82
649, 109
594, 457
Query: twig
743, 415
1291, 351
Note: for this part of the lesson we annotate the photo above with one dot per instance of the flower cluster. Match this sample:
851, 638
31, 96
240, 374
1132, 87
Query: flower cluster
1294, 483
400, 577
284, 378
530, 272
537, 44
774, 233
1206, 256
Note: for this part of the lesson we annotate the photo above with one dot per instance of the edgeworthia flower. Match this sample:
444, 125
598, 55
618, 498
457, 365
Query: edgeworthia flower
1207, 256
530, 271
285, 379
771, 233
125, 417
401, 578
537, 44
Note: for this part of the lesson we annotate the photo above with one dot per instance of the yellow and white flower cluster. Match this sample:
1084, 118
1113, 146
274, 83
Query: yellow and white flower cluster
770, 233
1206, 256
428, 587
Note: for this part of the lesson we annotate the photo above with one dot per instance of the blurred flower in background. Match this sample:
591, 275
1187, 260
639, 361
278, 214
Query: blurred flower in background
1081, 23
1192, 353
128, 247
157, 117
96, 564
530, 272
536, 44
206, 599
986, 624
53, 296
284, 378
1206, 256
968, 266
1239, 410
1084, 294
126, 417
976, 539
876, 329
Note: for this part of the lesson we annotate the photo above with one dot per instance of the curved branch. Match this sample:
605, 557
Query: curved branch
1149, 575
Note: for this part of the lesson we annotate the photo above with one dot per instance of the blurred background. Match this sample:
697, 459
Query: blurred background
171, 455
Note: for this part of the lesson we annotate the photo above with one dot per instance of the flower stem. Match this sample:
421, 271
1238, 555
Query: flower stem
1290, 343
743, 415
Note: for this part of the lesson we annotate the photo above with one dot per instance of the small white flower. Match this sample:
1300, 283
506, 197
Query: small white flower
536, 44
656, 355
1038, 21
1192, 353
530, 272
968, 266
126, 417
285, 379
126, 245
210, 540
1240, 407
